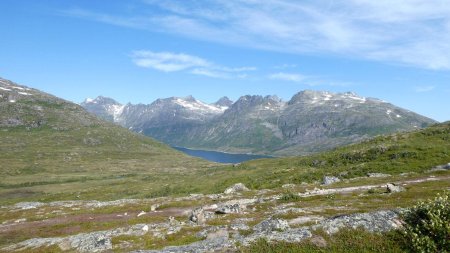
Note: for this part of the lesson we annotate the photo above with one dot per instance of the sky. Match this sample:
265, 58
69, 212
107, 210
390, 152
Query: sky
140, 50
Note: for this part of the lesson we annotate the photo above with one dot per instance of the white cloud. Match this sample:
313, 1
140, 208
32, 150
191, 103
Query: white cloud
166, 61
411, 32
209, 73
307, 79
424, 88
292, 77
174, 62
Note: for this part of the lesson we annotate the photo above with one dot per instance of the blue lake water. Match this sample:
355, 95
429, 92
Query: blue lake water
220, 157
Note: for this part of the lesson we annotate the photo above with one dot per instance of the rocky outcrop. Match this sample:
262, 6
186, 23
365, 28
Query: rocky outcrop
327, 180
239, 187
392, 188
99, 241
380, 221
225, 209
271, 224
290, 235
219, 244
378, 175
197, 216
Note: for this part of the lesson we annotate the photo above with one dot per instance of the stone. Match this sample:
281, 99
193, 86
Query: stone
379, 221
327, 180
378, 175
197, 216
318, 241
225, 209
220, 233
272, 224
239, 187
305, 219
28, 205
392, 188
141, 213
220, 244
239, 226
154, 207
290, 235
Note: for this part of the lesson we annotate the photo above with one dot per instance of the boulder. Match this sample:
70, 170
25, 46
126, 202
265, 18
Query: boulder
154, 207
271, 224
327, 180
379, 221
225, 209
198, 216
239, 187
378, 175
392, 188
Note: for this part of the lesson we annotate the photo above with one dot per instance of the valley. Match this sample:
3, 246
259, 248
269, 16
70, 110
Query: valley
72, 182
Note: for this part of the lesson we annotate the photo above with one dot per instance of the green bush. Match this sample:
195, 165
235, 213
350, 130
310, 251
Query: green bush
289, 197
427, 225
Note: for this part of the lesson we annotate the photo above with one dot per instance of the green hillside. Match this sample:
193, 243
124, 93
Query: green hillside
409, 152
53, 149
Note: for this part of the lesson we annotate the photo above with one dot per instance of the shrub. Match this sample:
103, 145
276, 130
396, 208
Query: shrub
289, 197
427, 225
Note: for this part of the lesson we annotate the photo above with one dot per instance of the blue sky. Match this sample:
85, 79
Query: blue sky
140, 50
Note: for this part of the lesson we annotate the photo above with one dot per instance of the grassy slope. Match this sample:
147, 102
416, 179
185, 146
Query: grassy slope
415, 151
55, 150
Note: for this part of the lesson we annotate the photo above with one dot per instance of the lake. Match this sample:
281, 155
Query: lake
220, 157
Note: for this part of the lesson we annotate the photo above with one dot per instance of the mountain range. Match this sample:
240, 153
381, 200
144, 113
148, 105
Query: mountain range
311, 121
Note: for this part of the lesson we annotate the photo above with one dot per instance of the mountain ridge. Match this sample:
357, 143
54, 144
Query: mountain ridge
309, 122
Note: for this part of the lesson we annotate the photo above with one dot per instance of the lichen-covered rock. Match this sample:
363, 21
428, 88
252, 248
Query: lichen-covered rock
271, 224
378, 175
225, 209
198, 216
219, 244
327, 180
392, 188
380, 221
28, 205
239, 187
290, 235
99, 241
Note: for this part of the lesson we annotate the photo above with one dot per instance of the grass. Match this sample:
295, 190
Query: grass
346, 240
149, 242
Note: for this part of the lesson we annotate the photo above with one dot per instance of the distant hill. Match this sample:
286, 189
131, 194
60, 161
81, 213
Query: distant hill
310, 122
45, 140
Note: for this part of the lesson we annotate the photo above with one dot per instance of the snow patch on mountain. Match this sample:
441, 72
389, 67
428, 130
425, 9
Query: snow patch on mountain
197, 105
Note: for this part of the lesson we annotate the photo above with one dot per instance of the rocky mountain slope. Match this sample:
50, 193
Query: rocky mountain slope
48, 144
311, 121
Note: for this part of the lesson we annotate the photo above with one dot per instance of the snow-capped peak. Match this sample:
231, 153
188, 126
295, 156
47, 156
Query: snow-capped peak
196, 105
